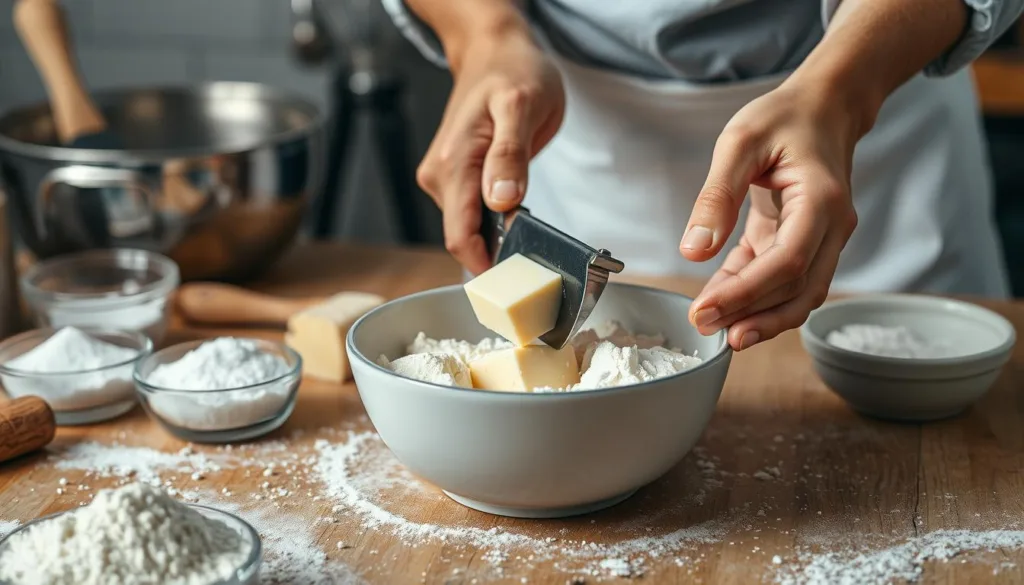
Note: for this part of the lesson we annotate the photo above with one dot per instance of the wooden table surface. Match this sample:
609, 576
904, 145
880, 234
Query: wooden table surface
784, 468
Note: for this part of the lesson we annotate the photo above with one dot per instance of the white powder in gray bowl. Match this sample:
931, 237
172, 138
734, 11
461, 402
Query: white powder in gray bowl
880, 340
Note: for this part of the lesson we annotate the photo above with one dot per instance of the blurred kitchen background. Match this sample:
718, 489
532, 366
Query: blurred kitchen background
131, 42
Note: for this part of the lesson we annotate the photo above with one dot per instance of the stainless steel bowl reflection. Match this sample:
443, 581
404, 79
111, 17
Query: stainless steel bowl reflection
216, 176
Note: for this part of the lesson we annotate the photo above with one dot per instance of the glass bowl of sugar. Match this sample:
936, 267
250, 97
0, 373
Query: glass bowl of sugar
220, 390
120, 288
85, 374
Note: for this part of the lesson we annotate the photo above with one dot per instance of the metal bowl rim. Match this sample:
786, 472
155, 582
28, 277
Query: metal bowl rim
121, 156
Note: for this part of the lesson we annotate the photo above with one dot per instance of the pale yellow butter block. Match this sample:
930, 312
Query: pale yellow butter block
318, 334
521, 369
517, 298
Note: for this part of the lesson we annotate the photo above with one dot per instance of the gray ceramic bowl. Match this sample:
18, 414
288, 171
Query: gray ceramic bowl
911, 389
536, 455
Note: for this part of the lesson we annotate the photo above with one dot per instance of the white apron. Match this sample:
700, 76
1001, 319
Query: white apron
626, 166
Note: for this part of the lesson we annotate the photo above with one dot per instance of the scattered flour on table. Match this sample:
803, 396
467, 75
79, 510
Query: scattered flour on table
609, 355
141, 463
8, 526
67, 351
291, 554
220, 364
356, 472
133, 535
879, 340
903, 562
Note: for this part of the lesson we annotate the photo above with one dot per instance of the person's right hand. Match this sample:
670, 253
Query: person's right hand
506, 105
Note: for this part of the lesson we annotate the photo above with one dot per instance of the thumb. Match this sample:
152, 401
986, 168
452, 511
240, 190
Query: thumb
717, 207
505, 165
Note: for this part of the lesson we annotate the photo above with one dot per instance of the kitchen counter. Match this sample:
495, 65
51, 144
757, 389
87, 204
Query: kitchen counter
784, 472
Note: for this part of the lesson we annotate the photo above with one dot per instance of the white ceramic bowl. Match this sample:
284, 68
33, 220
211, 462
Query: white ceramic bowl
536, 455
911, 389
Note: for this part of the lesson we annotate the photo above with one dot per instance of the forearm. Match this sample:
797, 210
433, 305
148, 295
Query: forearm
460, 23
874, 46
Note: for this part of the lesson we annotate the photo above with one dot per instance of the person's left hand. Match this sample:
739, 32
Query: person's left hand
793, 149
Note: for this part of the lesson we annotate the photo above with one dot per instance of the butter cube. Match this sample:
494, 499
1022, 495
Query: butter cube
521, 369
517, 298
318, 334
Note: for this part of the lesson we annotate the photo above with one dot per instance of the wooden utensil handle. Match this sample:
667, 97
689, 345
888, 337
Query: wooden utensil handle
26, 424
223, 304
43, 31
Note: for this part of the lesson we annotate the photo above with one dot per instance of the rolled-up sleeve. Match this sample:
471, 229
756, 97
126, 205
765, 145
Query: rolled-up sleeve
416, 32
987, 21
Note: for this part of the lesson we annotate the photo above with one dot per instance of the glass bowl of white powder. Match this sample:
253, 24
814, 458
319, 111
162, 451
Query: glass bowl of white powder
42, 550
85, 374
120, 288
220, 390
907, 357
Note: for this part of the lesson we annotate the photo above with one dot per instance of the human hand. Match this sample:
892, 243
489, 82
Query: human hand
793, 149
506, 105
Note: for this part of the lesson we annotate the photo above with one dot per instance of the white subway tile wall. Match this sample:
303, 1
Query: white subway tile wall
134, 42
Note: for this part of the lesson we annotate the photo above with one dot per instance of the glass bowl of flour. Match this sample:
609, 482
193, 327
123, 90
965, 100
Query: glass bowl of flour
220, 390
200, 545
85, 374
122, 288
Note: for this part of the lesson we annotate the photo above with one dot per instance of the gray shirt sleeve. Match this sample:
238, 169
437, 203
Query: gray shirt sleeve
416, 32
986, 22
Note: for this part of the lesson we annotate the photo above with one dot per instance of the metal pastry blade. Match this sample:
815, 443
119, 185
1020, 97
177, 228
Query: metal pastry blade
584, 269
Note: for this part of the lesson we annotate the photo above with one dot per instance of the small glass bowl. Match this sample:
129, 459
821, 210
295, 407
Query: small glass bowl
248, 573
76, 397
220, 416
119, 288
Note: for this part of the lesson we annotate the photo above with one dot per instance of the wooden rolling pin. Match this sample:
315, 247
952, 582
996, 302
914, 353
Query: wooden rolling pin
26, 424
211, 303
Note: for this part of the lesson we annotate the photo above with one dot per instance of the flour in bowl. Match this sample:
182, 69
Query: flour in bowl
880, 340
82, 371
609, 365
609, 355
133, 535
437, 368
221, 364
465, 351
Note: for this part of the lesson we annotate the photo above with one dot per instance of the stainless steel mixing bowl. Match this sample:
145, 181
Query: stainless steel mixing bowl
217, 176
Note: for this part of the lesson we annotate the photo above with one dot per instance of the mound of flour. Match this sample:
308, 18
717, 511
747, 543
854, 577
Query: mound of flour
72, 350
133, 535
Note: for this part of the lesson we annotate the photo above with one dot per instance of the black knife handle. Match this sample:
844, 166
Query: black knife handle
492, 229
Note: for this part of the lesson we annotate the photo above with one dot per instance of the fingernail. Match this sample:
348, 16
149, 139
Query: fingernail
749, 338
698, 237
505, 191
706, 316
